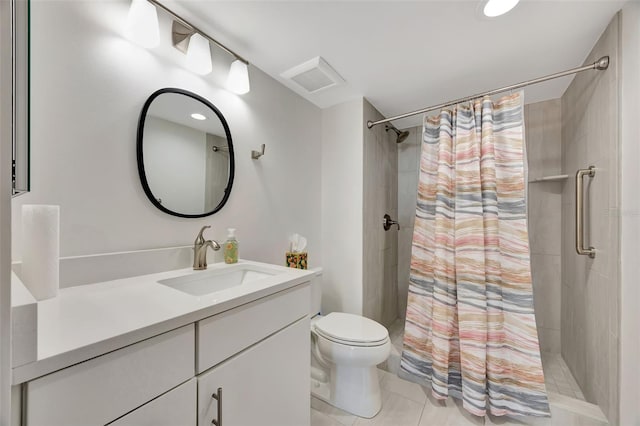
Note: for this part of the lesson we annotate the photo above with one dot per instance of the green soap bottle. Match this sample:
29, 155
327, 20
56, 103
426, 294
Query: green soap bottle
231, 247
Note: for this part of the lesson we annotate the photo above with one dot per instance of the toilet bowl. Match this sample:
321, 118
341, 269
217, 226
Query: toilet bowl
346, 349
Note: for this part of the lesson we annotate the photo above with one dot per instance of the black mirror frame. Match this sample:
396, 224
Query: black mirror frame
140, 156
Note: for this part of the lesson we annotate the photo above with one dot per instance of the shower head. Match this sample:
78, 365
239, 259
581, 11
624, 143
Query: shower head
401, 136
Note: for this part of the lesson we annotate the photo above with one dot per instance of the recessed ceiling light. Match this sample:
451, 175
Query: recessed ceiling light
495, 8
197, 116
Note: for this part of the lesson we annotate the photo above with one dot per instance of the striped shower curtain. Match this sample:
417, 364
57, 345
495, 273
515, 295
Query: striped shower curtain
470, 329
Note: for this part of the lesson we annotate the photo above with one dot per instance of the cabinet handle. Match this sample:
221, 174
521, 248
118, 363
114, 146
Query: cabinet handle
218, 397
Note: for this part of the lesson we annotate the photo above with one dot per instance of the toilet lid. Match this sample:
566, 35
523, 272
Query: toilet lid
347, 328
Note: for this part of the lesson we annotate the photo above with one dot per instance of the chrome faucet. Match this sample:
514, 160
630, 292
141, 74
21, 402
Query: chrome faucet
200, 246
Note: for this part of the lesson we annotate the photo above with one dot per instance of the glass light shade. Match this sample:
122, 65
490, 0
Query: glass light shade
142, 24
495, 8
238, 79
199, 55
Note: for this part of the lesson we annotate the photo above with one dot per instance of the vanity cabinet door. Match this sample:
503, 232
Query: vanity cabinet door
266, 384
103, 389
175, 408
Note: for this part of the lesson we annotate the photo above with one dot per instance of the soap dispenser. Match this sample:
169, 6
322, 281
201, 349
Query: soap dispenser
231, 247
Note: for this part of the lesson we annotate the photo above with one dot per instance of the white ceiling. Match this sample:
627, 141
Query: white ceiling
404, 55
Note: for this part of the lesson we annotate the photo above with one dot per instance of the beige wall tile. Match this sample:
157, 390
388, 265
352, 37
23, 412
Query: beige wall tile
408, 170
549, 339
544, 157
380, 169
590, 288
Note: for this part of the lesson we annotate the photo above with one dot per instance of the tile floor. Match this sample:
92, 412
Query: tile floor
408, 404
558, 377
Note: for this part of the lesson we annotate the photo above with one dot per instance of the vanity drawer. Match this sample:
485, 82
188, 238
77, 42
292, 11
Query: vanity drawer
223, 335
102, 389
175, 408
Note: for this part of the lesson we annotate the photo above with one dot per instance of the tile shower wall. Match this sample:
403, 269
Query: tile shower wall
380, 247
544, 157
408, 159
590, 287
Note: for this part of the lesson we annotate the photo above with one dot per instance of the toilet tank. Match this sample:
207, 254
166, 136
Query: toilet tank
316, 292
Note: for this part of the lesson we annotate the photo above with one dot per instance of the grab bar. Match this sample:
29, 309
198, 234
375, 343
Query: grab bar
591, 252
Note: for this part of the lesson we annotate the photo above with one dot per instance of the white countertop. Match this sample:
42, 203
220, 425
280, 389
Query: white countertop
90, 320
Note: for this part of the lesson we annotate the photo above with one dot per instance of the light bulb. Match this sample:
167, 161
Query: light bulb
142, 24
199, 55
238, 79
198, 116
495, 8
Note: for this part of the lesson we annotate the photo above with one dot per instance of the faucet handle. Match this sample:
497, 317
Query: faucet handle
200, 238
387, 223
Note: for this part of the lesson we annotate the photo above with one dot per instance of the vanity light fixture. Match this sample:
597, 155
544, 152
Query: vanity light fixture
142, 24
238, 79
199, 55
495, 8
186, 37
198, 116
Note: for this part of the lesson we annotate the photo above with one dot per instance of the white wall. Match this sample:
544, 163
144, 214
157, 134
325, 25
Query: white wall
630, 216
175, 158
342, 207
5, 213
89, 85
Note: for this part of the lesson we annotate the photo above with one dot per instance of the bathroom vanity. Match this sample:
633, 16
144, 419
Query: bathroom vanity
226, 346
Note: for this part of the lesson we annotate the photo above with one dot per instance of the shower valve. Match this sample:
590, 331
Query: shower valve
387, 222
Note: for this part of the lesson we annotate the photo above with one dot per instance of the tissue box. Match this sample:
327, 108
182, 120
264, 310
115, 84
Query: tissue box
297, 260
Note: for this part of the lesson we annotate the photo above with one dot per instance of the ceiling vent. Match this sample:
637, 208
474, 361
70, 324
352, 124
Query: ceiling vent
314, 75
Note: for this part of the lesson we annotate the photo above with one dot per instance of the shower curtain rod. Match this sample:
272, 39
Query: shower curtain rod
600, 64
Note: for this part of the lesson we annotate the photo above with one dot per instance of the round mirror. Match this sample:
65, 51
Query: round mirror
185, 154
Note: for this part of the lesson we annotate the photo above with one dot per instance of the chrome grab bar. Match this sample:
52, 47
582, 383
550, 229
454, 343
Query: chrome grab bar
591, 252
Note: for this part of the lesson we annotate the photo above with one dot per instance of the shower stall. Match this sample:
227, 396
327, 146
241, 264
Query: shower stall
576, 296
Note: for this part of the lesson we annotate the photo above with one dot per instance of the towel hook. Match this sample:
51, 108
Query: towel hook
257, 154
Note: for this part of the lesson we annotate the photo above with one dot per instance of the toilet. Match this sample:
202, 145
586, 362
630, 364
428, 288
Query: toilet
345, 350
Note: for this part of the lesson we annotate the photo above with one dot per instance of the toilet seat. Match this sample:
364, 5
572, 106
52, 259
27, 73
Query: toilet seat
351, 330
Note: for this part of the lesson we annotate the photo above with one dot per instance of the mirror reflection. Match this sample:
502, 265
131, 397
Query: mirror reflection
185, 154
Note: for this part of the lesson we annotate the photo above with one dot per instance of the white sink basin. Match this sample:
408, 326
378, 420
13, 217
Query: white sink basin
214, 280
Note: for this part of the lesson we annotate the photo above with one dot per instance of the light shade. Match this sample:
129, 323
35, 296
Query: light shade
199, 55
142, 24
495, 8
238, 79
